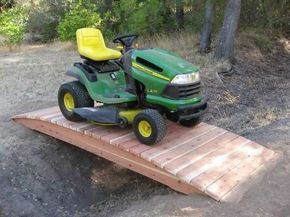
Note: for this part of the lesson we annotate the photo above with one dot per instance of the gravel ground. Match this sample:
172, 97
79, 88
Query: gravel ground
41, 176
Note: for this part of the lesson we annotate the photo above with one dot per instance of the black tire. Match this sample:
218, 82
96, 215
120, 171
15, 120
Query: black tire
123, 123
81, 98
190, 122
157, 126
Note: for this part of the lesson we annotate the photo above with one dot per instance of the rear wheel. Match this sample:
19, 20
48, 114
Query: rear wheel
149, 126
73, 95
190, 122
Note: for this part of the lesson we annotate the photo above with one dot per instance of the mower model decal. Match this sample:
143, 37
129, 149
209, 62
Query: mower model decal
152, 91
148, 71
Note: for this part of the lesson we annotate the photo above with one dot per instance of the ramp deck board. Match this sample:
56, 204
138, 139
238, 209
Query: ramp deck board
204, 159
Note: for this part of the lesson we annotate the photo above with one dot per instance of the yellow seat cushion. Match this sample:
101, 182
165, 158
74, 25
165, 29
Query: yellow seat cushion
91, 45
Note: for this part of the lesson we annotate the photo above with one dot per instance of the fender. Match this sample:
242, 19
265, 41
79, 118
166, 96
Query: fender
72, 73
82, 72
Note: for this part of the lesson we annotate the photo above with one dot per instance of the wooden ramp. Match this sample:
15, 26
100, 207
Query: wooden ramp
204, 159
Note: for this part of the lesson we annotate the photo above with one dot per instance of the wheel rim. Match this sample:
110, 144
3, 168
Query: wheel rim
144, 128
69, 101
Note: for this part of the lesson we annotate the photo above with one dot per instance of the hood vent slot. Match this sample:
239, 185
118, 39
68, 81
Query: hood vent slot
148, 64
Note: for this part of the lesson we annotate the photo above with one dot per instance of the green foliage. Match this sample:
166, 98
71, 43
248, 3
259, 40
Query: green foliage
79, 16
218, 14
115, 21
49, 19
6, 4
195, 16
145, 17
266, 14
45, 17
12, 25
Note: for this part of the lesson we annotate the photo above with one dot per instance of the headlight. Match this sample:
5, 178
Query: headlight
186, 78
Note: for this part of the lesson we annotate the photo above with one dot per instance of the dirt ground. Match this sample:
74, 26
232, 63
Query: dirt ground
41, 176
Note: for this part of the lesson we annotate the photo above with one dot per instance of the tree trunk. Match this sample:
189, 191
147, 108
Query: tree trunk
179, 13
225, 47
205, 39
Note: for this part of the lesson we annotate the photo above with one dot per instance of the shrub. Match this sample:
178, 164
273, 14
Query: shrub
45, 17
144, 17
12, 25
147, 19
77, 17
116, 21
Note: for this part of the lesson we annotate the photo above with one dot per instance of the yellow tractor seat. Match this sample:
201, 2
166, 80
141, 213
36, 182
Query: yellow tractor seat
91, 45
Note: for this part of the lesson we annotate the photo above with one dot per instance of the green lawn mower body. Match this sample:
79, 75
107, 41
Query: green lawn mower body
149, 83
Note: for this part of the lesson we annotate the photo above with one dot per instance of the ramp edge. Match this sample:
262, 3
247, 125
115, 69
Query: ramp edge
108, 152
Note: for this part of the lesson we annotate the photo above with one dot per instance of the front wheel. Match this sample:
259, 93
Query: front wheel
149, 126
73, 95
190, 122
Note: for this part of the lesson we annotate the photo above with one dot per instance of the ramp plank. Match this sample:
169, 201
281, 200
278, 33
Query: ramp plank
121, 139
250, 150
227, 182
75, 126
177, 138
50, 116
197, 154
213, 160
116, 135
129, 144
139, 149
42, 112
56, 119
82, 129
180, 151
203, 159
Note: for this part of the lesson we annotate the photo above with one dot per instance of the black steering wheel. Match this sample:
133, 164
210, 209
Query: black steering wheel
126, 40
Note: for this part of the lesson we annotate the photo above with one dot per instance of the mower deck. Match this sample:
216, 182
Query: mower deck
205, 159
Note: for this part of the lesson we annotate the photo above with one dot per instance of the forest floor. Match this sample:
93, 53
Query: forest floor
42, 176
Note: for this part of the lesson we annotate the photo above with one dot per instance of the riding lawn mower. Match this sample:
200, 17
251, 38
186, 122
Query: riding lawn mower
136, 86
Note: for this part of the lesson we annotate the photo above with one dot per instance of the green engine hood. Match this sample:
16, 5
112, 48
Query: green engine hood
170, 63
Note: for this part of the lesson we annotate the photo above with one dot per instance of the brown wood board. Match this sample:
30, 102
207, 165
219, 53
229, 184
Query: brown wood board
205, 159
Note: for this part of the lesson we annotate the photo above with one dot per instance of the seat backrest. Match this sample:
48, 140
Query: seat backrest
90, 38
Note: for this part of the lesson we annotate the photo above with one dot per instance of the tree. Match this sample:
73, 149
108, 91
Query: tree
5, 4
179, 4
108, 5
205, 40
13, 25
79, 16
225, 46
